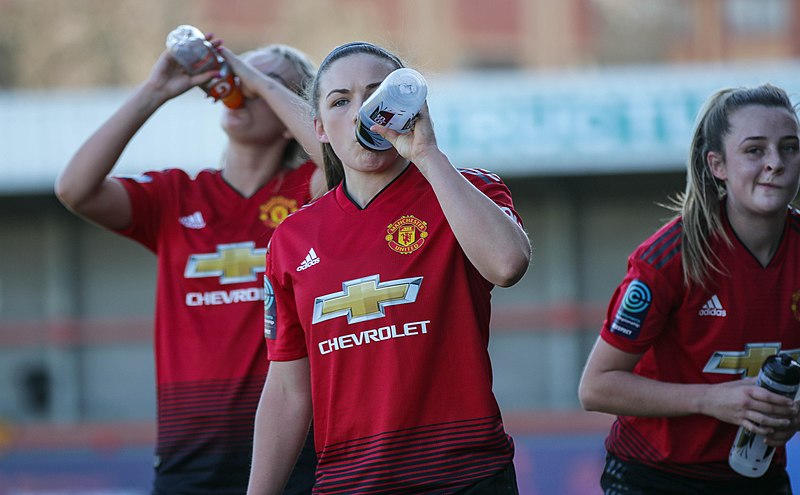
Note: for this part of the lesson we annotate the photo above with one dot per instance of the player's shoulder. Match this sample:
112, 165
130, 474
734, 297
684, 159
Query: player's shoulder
204, 175
204, 182
793, 219
662, 248
480, 175
172, 175
309, 212
307, 166
793, 228
301, 172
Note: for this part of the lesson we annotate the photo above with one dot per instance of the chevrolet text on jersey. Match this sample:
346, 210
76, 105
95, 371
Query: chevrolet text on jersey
219, 297
373, 335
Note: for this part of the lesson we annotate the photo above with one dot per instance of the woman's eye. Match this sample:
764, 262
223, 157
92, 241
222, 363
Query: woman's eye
339, 102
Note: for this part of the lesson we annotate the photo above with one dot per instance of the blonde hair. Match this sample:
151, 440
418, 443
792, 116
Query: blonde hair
297, 79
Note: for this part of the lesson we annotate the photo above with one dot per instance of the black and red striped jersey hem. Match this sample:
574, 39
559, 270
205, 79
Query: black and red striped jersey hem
212, 417
627, 444
441, 458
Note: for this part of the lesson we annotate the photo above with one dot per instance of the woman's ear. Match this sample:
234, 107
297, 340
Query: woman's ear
320, 130
717, 165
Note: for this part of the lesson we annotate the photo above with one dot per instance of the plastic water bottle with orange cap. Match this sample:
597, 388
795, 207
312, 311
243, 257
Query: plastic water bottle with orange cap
190, 48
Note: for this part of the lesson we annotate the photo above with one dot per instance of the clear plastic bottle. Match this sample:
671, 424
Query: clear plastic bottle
750, 456
394, 104
195, 54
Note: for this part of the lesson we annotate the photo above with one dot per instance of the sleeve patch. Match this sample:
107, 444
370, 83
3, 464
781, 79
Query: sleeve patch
632, 310
270, 311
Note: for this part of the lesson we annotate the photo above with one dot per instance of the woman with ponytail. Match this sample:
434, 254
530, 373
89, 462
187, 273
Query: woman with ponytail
705, 300
377, 319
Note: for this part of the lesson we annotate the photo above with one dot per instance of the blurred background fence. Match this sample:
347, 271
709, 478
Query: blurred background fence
584, 107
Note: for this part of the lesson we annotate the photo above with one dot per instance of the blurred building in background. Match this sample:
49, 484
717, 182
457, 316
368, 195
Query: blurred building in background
90, 43
584, 107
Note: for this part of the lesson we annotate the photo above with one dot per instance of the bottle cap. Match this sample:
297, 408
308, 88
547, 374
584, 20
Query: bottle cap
234, 100
407, 85
783, 369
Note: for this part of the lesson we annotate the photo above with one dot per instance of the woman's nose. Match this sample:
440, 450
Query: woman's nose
355, 110
775, 161
356, 104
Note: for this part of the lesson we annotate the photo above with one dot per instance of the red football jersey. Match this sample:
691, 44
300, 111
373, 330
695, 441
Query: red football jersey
717, 334
395, 322
210, 355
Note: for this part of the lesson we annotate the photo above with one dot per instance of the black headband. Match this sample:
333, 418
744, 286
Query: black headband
367, 47
341, 48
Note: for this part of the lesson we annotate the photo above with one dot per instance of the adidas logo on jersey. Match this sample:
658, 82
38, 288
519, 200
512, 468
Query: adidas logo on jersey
193, 221
311, 260
713, 308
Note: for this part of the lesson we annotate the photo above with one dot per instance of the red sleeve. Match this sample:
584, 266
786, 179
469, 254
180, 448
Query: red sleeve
147, 193
493, 187
639, 309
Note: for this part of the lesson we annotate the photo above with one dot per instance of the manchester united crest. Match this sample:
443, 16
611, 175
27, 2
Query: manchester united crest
406, 234
274, 211
796, 304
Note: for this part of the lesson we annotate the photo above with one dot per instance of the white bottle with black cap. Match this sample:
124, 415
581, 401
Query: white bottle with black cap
750, 456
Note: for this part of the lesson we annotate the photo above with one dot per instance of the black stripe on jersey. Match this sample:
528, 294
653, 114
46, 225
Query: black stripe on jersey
794, 219
668, 256
484, 175
629, 445
423, 464
208, 417
205, 435
663, 248
441, 458
625, 441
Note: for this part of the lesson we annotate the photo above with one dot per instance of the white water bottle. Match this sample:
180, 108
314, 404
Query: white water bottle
394, 104
750, 456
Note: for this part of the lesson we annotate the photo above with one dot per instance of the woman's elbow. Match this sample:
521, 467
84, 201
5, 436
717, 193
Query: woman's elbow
65, 192
586, 397
512, 270
590, 398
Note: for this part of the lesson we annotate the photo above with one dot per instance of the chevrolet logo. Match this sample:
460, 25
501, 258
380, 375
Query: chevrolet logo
365, 298
232, 263
746, 363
